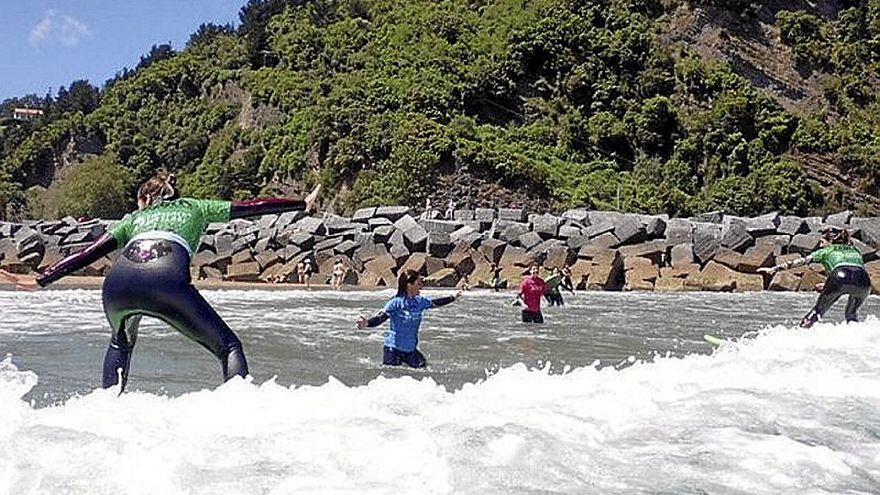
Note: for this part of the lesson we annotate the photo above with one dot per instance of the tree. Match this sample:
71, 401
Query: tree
254, 19
98, 188
81, 97
157, 53
207, 32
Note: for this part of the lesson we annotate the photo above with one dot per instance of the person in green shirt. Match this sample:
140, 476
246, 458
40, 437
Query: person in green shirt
555, 284
151, 276
846, 275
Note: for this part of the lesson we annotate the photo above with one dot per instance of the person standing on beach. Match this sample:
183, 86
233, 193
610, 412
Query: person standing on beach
151, 276
339, 271
405, 311
301, 272
531, 290
450, 210
427, 213
307, 272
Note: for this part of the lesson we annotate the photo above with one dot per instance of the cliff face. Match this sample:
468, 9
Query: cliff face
752, 45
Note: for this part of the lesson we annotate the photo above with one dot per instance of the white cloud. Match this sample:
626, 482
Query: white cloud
59, 27
41, 31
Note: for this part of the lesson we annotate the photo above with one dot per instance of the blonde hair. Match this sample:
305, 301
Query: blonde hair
160, 187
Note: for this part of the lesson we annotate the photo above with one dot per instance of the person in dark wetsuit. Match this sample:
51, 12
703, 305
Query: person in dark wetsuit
496, 277
567, 283
151, 276
846, 275
405, 311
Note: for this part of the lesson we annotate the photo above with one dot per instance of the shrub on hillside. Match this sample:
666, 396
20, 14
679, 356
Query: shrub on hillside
97, 188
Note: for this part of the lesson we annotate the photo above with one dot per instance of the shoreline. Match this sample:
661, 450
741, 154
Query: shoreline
93, 282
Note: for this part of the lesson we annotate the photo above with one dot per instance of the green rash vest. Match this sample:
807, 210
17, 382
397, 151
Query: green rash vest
185, 217
553, 282
836, 255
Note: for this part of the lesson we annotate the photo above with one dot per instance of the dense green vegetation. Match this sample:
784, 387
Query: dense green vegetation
571, 101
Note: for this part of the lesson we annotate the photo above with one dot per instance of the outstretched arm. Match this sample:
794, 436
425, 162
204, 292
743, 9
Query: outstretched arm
443, 301
788, 264
264, 206
102, 246
374, 321
268, 206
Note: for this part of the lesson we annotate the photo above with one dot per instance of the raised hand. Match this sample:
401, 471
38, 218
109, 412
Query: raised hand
361, 322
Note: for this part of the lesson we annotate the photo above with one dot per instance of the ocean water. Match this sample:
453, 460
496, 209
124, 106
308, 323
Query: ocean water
616, 394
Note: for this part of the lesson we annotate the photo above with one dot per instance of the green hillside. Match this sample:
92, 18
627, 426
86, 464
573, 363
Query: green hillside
551, 104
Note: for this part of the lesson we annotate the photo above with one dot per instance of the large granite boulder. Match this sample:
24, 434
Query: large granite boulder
707, 241
444, 277
463, 259
715, 277
734, 234
639, 273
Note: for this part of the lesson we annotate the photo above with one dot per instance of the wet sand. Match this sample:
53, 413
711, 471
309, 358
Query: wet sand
84, 282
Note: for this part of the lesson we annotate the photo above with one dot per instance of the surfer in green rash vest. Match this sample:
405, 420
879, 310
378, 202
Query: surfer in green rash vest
555, 283
151, 276
846, 275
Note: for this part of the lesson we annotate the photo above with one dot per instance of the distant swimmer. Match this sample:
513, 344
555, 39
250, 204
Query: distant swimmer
531, 290
405, 311
151, 277
846, 275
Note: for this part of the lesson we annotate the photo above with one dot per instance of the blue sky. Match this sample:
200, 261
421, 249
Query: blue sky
46, 44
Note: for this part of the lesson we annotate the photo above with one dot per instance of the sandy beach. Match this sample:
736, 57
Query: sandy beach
86, 282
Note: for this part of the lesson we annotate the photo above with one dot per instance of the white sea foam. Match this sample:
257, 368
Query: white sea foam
788, 411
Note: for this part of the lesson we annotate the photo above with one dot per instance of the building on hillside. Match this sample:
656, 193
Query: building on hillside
26, 113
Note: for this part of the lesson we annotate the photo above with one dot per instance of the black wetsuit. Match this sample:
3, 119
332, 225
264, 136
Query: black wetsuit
151, 278
852, 281
496, 278
846, 276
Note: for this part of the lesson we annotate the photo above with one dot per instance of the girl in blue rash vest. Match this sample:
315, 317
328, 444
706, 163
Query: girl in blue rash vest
405, 311
151, 276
